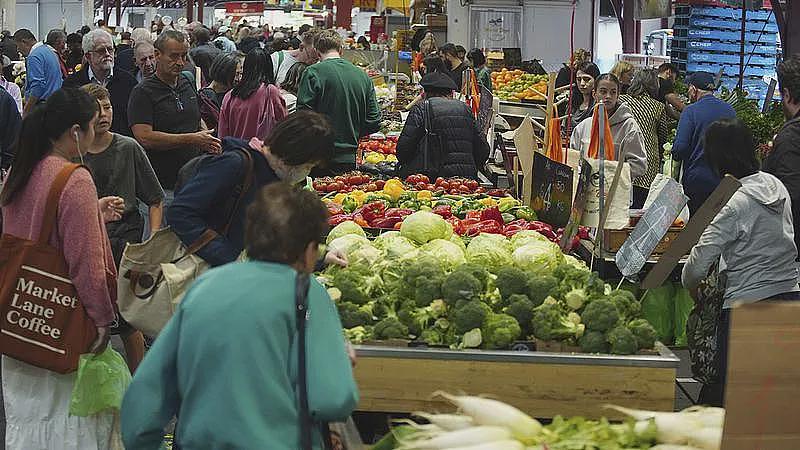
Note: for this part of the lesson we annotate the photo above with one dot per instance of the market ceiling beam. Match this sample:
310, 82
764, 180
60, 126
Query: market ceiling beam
787, 15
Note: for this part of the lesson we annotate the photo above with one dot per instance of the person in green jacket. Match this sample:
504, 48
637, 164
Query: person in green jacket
344, 93
484, 74
226, 363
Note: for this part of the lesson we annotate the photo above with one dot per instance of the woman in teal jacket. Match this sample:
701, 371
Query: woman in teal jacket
226, 363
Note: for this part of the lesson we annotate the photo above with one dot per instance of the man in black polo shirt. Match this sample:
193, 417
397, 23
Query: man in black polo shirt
164, 113
98, 47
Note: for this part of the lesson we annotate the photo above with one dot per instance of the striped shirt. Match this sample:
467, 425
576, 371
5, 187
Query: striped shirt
652, 119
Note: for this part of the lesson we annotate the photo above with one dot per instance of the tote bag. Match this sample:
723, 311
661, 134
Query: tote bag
43, 321
155, 275
617, 217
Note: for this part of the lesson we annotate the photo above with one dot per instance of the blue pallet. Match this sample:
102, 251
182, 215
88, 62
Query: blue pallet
720, 35
722, 13
767, 27
730, 69
694, 45
702, 57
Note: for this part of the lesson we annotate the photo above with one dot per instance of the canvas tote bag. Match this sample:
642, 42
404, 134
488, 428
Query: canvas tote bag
43, 321
155, 275
620, 196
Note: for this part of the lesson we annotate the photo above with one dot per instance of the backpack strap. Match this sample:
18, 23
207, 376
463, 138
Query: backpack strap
241, 188
51, 207
301, 314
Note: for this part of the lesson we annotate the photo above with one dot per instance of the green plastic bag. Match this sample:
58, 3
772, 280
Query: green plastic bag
658, 308
683, 306
100, 383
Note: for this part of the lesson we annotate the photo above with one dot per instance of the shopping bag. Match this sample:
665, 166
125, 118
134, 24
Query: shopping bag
658, 184
100, 383
702, 326
42, 320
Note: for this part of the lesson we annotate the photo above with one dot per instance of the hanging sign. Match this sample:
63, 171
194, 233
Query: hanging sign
244, 8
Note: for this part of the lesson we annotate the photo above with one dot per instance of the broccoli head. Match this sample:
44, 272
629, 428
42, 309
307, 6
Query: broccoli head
407, 315
460, 286
644, 332
427, 290
600, 315
476, 271
353, 316
424, 267
357, 335
356, 287
550, 324
540, 287
575, 299
628, 306
572, 277
622, 341
469, 315
593, 342
499, 331
432, 336
511, 280
521, 308
390, 328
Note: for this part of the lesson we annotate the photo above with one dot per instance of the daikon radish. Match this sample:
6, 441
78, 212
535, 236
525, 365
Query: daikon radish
673, 447
709, 438
707, 415
447, 422
485, 411
458, 438
497, 445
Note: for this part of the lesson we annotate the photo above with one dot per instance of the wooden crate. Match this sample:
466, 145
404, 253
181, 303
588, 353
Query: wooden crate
613, 239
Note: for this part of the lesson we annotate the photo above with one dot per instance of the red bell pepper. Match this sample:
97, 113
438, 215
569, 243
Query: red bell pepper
548, 233
512, 229
397, 225
540, 226
334, 209
398, 212
387, 222
373, 211
468, 222
457, 224
485, 226
474, 215
359, 219
521, 222
492, 213
337, 219
583, 232
444, 211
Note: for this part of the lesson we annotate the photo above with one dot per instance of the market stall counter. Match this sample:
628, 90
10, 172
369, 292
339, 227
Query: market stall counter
400, 380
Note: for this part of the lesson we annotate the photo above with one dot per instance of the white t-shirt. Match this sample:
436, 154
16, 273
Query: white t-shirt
281, 62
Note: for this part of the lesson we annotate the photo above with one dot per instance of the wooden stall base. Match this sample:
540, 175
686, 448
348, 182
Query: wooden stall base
542, 390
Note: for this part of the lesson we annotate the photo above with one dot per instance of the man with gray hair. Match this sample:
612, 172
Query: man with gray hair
144, 58
98, 49
283, 60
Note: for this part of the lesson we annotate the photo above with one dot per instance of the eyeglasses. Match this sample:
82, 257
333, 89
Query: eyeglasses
104, 50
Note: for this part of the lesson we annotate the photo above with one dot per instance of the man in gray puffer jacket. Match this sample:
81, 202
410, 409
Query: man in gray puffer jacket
627, 135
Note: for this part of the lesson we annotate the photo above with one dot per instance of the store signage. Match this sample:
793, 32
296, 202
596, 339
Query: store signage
652, 227
244, 8
552, 190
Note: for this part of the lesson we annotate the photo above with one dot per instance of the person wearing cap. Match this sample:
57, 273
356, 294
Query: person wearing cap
223, 40
699, 180
462, 149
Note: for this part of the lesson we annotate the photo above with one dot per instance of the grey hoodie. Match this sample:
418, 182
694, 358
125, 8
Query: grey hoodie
627, 137
754, 236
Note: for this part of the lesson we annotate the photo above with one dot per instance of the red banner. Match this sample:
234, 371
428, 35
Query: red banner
244, 8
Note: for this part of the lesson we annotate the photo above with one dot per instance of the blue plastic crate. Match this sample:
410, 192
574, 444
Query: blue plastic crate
694, 45
721, 35
730, 69
702, 22
703, 57
722, 13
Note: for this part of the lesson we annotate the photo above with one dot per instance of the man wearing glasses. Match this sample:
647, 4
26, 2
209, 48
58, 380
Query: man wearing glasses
98, 48
164, 113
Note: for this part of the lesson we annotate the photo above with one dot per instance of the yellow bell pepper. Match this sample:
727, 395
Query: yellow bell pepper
507, 203
339, 198
373, 158
393, 188
359, 196
391, 158
424, 195
487, 202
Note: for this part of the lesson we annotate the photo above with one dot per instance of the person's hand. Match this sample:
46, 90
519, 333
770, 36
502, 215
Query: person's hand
99, 344
351, 353
207, 142
111, 208
336, 257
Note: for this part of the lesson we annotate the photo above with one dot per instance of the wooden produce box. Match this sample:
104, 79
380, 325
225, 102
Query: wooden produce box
613, 239
401, 380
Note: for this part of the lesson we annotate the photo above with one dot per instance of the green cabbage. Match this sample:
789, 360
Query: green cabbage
364, 256
396, 246
345, 228
450, 254
491, 251
541, 256
456, 239
347, 244
425, 226
385, 238
526, 237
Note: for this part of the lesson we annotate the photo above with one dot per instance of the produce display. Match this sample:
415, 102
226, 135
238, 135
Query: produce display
424, 282
357, 180
516, 85
379, 147
486, 424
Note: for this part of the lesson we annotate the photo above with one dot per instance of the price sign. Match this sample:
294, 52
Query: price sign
552, 190
651, 228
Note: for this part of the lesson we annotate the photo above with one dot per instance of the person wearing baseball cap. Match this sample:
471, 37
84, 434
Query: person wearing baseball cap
223, 40
456, 148
699, 180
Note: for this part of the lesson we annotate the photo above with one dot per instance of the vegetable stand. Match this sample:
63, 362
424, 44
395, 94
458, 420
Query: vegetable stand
401, 380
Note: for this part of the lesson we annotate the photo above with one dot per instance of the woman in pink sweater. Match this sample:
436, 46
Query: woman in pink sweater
254, 106
37, 400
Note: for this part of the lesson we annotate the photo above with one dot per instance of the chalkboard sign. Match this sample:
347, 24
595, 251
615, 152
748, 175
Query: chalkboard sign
552, 190
651, 228
578, 204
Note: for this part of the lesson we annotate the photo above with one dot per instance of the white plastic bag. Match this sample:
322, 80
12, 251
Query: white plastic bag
655, 188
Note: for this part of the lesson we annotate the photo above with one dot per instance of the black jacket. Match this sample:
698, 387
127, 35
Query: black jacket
119, 87
465, 149
784, 162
